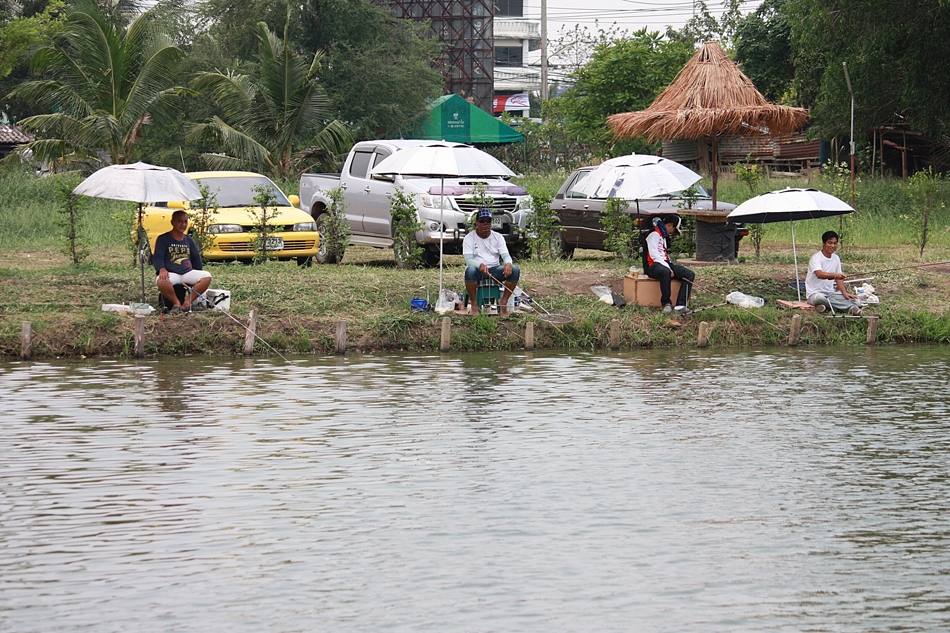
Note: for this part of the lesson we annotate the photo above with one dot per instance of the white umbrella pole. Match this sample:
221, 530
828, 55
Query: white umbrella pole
441, 230
140, 254
798, 286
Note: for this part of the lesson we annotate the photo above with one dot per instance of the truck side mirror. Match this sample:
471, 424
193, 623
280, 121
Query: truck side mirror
559, 196
294, 199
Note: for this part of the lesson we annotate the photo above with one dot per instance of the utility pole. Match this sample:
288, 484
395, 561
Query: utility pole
847, 80
544, 50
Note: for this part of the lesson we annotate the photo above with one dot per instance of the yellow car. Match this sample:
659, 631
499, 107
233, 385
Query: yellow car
292, 235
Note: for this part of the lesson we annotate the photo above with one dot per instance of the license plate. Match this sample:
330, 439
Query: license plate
497, 222
274, 244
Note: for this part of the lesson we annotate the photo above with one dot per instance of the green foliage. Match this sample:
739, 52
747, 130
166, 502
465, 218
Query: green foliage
763, 50
263, 216
334, 230
544, 230
200, 218
19, 37
620, 230
70, 222
925, 189
750, 174
703, 26
267, 115
621, 76
102, 84
837, 181
891, 48
405, 224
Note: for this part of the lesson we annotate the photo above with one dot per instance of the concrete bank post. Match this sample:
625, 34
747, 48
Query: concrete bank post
250, 333
872, 330
613, 336
445, 341
26, 340
139, 336
702, 338
529, 335
795, 331
341, 337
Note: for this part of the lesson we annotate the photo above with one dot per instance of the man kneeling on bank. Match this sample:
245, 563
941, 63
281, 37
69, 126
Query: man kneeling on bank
486, 255
177, 261
824, 283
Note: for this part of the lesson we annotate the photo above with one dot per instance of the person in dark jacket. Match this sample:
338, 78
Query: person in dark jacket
177, 260
659, 266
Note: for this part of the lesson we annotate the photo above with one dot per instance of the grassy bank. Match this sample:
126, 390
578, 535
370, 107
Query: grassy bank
299, 307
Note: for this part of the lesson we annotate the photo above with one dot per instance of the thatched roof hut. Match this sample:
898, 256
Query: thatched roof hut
709, 98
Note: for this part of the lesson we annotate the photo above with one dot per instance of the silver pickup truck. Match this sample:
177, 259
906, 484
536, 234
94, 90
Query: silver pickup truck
366, 201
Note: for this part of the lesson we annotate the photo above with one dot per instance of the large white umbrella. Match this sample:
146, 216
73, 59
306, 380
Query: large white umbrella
636, 176
141, 183
788, 205
445, 160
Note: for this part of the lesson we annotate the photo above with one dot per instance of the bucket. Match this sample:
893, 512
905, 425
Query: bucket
418, 304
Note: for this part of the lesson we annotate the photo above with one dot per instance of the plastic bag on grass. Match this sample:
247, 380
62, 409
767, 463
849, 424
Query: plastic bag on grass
743, 300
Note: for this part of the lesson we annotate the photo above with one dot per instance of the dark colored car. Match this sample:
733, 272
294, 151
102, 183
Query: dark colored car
579, 217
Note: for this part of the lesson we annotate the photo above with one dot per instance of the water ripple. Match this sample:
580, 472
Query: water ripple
659, 491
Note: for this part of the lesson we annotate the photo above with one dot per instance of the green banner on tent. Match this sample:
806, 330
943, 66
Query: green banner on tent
452, 118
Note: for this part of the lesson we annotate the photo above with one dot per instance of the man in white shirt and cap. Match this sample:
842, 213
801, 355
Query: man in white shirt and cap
824, 283
486, 255
659, 266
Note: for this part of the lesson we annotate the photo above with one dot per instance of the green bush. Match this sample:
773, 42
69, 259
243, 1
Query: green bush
620, 230
405, 225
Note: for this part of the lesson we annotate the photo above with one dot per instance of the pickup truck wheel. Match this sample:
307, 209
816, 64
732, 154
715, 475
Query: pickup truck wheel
304, 262
323, 255
430, 256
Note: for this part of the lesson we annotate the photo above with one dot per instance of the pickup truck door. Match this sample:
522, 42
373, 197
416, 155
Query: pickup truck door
376, 216
356, 182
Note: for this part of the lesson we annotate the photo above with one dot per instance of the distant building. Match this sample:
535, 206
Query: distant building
10, 137
492, 53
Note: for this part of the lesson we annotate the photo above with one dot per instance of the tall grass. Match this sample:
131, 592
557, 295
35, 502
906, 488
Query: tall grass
30, 212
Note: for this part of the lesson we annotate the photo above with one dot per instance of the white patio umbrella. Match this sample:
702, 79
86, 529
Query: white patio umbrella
788, 205
141, 183
636, 176
445, 160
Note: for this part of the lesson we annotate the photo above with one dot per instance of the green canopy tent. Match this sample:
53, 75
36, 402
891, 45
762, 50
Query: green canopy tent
452, 118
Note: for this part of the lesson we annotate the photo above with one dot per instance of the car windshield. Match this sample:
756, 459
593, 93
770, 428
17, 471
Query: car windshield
700, 193
240, 191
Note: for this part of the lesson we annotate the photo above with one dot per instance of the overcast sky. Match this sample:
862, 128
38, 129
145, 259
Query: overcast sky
627, 14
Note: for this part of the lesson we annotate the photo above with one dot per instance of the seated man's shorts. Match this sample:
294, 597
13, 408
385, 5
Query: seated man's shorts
190, 278
472, 273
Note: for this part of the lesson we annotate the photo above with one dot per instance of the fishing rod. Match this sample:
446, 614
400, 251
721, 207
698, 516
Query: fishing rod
201, 295
547, 315
887, 270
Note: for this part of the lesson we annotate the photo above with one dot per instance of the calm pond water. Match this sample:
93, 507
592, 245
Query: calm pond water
782, 490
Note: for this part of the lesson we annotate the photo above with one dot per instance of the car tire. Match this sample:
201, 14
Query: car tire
561, 248
323, 256
304, 262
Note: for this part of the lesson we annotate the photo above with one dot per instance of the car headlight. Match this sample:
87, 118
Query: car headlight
435, 202
305, 226
524, 203
225, 228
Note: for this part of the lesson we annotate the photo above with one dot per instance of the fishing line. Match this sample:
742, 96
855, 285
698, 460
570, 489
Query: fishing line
238, 321
887, 270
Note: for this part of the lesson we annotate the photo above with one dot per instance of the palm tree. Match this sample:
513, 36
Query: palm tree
265, 115
101, 83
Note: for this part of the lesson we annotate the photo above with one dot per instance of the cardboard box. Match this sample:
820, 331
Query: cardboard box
644, 291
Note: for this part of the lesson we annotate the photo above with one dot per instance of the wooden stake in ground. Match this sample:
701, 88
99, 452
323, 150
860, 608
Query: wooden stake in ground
872, 330
529, 335
702, 338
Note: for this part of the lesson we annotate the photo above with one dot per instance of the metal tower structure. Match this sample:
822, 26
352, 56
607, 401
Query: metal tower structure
465, 29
